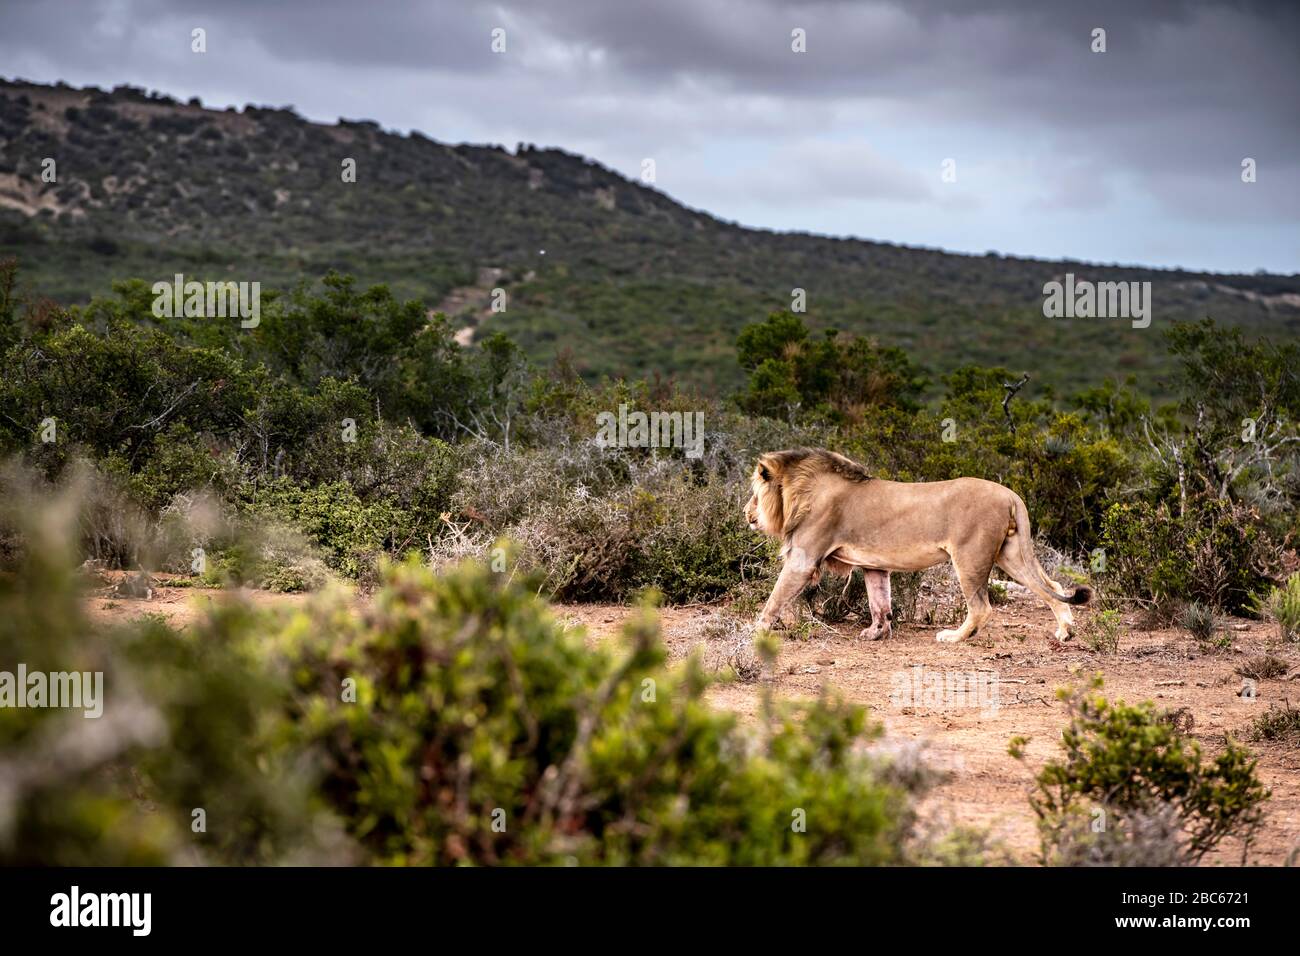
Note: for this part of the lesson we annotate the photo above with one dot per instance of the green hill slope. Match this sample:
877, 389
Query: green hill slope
616, 275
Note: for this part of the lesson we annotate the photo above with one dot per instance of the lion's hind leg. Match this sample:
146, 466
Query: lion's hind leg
973, 570
1064, 616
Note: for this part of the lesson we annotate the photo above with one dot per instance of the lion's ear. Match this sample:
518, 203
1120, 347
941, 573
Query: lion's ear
764, 473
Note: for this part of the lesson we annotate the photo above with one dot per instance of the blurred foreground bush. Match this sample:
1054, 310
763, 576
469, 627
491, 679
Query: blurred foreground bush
460, 723
186, 764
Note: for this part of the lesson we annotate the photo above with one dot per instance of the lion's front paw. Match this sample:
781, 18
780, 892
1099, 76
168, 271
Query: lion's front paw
948, 637
874, 633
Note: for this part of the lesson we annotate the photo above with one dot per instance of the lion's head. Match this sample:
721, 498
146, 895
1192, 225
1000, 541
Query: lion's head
782, 484
764, 512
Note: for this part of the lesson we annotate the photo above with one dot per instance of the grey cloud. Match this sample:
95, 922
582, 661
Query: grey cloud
810, 171
1184, 91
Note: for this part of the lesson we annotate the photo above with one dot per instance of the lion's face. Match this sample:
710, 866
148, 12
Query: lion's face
763, 512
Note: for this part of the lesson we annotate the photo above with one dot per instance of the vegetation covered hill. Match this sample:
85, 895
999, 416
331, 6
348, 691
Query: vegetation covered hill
612, 273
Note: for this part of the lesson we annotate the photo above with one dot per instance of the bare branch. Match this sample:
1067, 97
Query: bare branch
1011, 393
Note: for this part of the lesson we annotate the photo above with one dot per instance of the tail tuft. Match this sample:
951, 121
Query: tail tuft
1082, 595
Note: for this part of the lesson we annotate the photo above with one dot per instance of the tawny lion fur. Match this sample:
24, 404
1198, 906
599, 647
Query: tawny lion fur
832, 515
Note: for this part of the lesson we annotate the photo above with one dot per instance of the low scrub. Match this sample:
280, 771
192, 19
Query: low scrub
1217, 553
1131, 788
604, 524
1280, 724
1282, 604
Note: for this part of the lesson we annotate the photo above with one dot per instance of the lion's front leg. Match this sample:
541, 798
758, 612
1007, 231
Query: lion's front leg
797, 571
882, 611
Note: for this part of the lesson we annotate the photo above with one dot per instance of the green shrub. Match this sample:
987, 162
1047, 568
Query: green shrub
1198, 620
290, 570
1103, 630
119, 392
1216, 553
838, 377
1283, 605
352, 533
483, 732
1127, 765
698, 546
181, 462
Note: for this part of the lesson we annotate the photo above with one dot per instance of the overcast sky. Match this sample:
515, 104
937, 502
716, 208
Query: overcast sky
1132, 155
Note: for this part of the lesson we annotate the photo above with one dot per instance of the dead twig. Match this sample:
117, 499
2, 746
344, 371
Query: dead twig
1011, 393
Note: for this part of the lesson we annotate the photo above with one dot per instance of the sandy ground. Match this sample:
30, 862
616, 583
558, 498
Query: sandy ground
1014, 652
987, 787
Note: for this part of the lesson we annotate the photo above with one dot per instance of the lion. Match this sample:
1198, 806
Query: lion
832, 515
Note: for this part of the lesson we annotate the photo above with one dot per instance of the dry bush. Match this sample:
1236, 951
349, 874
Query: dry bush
1160, 613
1147, 837
1264, 667
1280, 724
112, 529
1059, 565
908, 764
931, 597
728, 645
939, 599
740, 661
603, 523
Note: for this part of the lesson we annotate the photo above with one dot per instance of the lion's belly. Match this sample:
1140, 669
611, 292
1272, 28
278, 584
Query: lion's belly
916, 557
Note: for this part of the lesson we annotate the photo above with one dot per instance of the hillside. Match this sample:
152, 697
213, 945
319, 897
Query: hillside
616, 275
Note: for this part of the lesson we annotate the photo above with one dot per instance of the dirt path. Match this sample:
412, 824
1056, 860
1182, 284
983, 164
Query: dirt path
987, 787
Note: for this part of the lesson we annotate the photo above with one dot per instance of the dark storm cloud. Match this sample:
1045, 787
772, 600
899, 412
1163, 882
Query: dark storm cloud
1190, 76
997, 55
324, 32
887, 90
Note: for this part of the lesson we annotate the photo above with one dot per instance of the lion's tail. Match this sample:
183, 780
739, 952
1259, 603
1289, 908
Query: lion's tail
1017, 558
